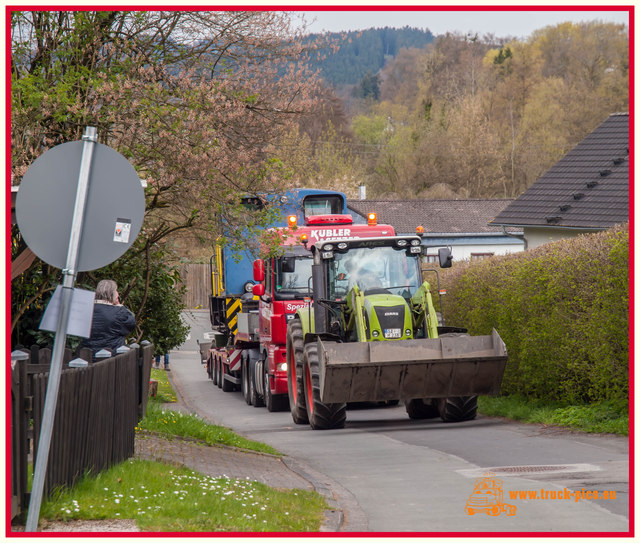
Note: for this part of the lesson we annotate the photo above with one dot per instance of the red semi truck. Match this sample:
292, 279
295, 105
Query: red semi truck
249, 349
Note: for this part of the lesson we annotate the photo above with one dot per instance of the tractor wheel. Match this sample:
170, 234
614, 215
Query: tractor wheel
295, 373
459, 408
274, 402
245, 381
322, 416
422, 408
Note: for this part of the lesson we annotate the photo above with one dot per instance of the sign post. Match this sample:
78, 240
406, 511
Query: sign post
69, 273
63, 186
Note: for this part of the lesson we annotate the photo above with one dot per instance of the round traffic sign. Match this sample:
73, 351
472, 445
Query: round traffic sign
113, 214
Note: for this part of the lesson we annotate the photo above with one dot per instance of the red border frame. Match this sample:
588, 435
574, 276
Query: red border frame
630, 9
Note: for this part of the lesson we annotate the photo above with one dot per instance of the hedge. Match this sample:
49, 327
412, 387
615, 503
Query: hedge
562, 310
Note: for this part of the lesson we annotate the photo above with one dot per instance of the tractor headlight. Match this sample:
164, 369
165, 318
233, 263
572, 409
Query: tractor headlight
415, 242
327, 254
402, 243
407, 332
327, 247
415, 249
342, 245
375, 333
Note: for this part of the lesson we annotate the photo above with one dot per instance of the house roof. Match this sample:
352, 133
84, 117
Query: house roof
588, 188
436, 216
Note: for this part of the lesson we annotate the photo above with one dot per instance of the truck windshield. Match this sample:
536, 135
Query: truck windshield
374, 270
294, 282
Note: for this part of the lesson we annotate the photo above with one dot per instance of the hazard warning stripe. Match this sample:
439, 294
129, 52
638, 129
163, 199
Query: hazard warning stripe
233, 306
234, 360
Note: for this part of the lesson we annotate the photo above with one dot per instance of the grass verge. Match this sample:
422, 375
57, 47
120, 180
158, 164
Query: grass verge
604, 417
173, 423
163, 499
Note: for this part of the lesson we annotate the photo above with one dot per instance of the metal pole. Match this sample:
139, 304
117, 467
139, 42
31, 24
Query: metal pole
69, 273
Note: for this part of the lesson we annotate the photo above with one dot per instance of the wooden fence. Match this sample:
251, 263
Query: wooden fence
197, 279
97, 411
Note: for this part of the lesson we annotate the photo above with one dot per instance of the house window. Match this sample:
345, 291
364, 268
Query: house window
480, 256
428, 259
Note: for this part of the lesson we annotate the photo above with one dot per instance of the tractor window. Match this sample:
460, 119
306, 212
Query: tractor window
385, 268
323, 205
293, 277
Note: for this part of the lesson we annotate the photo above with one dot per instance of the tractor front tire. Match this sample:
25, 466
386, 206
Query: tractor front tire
322, 416
295, 373
419, 408
458, 409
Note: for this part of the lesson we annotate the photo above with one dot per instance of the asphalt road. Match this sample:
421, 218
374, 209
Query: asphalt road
393, 474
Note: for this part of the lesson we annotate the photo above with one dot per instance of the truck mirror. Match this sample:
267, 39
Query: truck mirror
258, 290
444, 255
258, 270
288, 264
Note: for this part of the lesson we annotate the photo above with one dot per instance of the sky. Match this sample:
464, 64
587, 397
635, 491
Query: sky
503, 23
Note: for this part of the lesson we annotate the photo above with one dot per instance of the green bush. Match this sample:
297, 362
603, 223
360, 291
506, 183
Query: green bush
562, 310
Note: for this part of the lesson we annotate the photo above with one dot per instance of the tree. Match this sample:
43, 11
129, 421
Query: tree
192, 99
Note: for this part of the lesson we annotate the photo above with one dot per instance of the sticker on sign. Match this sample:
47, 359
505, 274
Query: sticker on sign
122, 231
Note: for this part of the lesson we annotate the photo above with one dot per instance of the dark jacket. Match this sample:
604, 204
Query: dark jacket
110, 325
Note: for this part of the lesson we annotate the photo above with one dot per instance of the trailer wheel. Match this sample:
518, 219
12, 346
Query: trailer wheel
274, 402
322, 416
227, 386
245, 381
419, 408
458, 409
295, 382
256, 399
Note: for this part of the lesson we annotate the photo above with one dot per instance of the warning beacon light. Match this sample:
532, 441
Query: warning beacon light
420, 230
292, 220
372, 219
304, 239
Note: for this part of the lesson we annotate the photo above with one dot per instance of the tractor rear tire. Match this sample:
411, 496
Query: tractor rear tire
295, 372
419, 408
459, 408
322, 416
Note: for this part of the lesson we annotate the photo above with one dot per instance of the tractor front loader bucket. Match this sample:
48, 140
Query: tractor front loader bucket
417, 368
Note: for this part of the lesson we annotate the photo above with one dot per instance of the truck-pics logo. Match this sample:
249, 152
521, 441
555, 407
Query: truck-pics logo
487, 498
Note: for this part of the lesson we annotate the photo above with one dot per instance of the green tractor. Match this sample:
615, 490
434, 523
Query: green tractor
371, 334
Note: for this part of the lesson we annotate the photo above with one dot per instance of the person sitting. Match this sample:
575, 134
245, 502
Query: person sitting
111, 323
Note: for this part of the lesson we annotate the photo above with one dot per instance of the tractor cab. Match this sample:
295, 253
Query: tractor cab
379, 278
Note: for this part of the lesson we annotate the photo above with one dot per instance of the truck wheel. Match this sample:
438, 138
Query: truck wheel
322, 416
458, 409
295, 383
422, 408
274, 402
227, 386
245, 382
211, 367
256, 399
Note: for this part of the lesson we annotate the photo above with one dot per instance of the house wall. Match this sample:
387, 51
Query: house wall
539, 236
465, 248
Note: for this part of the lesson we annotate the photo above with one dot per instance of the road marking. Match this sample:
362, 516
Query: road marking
516, 471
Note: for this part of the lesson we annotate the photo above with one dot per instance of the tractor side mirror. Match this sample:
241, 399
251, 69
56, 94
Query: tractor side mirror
445, 257
258, 271
258, 290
